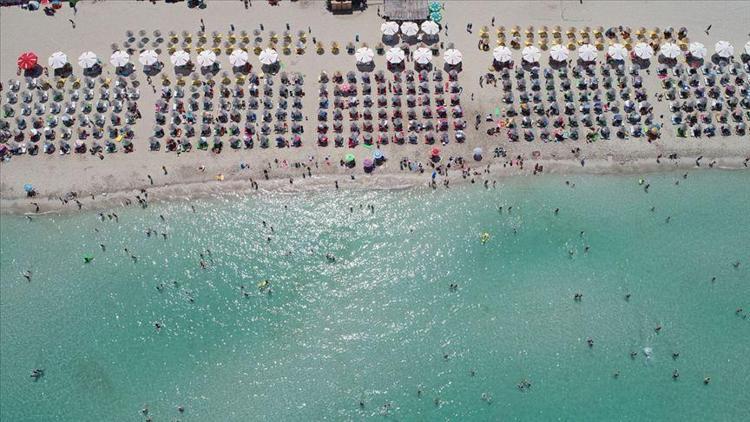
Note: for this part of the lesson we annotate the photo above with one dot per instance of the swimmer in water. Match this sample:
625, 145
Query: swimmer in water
104, 248
627, 296
658, 328
675, 374
706, 380
557, 211
27, 275
633, 355
590, 342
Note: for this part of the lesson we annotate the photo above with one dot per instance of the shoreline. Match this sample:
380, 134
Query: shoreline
387, 180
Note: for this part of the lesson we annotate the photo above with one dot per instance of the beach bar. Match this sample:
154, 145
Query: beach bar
406, 10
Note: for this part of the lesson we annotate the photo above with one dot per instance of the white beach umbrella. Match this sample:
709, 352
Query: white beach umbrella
697, 50
180, 58
206, 58
617, 52
119, 58
587, 52
670, 50
87, 60
409, 29
364, 55
430, 28
747, 47
57, 60
453, 56
238, 58
558, 53
531, 54
395, 55
389, 28
724, 49
502, 54
268, 56
422, 55
148, 57
643, 50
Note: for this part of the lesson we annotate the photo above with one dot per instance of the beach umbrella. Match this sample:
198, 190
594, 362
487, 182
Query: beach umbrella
617, 52
422, 55
364, 55
587, 52
409, 29
206, 58
643, 51
502, 54
697, 50
349, 158
148, 57
57, 60
268, 56
435, 7
477, 154
435, 152
430, 28
558, 53
531, 54
452, 56
377, 155
436, 17
395, 55
238, 58
28, 188
670, 50
119, 58
389, 28
724, 49
87, 60
27, 60
180, 58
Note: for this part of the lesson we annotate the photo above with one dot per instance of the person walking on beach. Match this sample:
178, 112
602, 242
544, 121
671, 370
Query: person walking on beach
72, 23
203, 26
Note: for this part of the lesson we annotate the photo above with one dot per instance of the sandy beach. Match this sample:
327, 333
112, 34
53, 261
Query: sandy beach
101, 183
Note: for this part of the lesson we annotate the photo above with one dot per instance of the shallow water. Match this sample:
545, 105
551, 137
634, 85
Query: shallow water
381, 322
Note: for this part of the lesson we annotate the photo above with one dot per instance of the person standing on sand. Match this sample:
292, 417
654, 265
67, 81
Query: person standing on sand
203, 26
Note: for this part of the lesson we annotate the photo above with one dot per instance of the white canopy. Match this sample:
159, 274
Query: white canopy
430, 28
57, 60
643, 50
238, 58
453, 56
422, 55
617, 52
670, 50
724, 49
206, 58
180, 58
409, 29
119, 58
502, 54
87, 60
558, 53
531, 54
389, 28
395, 55
364, 55
587, 52
697, 50
148, 57
268, 56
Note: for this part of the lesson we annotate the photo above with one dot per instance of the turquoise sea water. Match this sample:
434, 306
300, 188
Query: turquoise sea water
381, 323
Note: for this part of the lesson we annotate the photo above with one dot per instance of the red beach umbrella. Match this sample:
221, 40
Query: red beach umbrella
436, 152
27, 60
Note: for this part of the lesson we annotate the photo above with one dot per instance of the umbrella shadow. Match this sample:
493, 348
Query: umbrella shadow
428, 66
557, 65
153, 70
498, 66
390, 40
396, 68
126, 70
666, 61
430, 39
457, 67
242, 70
184, 70
64, 71
584, 63
643, 63
34, 72
717, 59
210, 70
93, 71
271, 68
366, 67
528, 66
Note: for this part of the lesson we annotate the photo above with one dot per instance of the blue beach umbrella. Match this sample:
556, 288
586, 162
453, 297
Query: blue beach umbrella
436, 17
377, 154
435, 6
28, 187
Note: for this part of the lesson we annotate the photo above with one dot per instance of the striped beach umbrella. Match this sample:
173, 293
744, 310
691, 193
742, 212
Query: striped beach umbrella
502, 54
409, 29
148, 57
670, 50
119, 58
452, 56
643, 51
27, 60
587, 52
422, 55
180, 58
238, 58
617, 52
531, 54
364, 55
395, 55
697, 50
724, 49
430, 28
206, 58
558, 53
57, 60
389, 28
268, 56
87, 60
